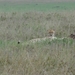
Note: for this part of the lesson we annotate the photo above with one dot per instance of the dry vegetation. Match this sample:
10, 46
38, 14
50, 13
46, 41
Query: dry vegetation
44, 58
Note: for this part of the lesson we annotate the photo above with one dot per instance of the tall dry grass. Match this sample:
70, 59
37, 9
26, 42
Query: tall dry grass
44, 58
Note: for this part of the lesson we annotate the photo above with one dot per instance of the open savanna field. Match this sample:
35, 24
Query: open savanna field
25, 21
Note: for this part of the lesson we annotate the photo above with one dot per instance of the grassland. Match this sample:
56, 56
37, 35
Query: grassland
44, 7
55, 57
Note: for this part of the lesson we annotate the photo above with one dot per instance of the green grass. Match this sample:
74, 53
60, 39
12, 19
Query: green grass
55, 57
45, 7
51, 57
